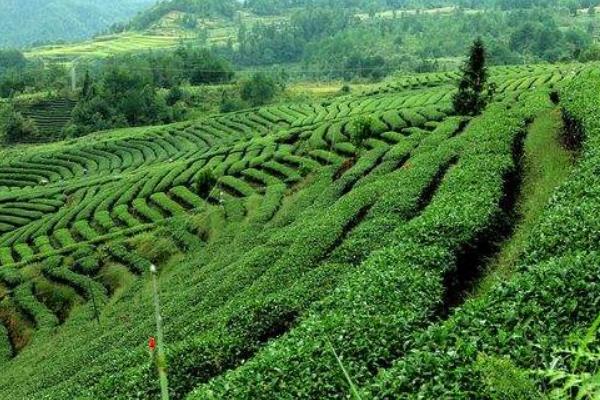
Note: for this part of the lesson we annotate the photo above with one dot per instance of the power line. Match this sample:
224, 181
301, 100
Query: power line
271, 69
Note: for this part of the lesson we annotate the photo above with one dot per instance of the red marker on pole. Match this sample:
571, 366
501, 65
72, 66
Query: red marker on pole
152, 343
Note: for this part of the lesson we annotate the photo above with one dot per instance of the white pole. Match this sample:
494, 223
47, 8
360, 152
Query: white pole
161, 362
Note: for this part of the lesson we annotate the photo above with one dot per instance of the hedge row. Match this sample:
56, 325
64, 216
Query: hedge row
133, 261
25, 299
397, 290
557, 288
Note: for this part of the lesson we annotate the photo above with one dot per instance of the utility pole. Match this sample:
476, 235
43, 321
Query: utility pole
73, 77
161, 361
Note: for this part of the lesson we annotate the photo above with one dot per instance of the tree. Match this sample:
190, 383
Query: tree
87, 90
174, 95
361, 129
592, 53
11, 58
258, 90
470, 98
15, 128
203, 67
230, 102
573, 8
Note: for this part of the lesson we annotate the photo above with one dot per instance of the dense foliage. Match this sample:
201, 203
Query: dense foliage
259, 89
19, 75
272, 7
336, 43
14, 127
124, 91
120, 97
201, 8
321, 224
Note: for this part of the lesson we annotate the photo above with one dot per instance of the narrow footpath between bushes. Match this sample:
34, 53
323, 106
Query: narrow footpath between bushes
546, 164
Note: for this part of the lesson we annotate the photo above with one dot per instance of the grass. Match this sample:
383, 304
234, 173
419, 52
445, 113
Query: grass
546, 165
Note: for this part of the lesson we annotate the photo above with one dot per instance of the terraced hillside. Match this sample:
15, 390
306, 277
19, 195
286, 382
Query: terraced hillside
306, 242
50, 116
164, 34
105, 46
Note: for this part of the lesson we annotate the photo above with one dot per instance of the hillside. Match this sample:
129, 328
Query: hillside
49, 116
326, 42
290, 254
24, 22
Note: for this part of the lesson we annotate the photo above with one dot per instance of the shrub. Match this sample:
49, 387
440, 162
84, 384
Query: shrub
42, 316
204, 183
136, 263
260, 89
88, 265
230, 103
361, 129
502, 379
154, 247
15, 128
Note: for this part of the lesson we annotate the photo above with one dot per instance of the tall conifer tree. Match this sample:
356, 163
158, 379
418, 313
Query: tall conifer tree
470, 98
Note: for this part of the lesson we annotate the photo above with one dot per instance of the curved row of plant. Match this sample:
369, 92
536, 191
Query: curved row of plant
520, 322
400, 289
484, 350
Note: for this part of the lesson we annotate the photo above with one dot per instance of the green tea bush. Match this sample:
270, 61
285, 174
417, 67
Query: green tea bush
156, 247
84, 285
87, 265
368, 319
136, 263
555, 288
25, 299
166, 204
122, 214
142, 208
6, 256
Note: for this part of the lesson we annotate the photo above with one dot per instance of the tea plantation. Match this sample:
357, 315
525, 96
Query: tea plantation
296, 261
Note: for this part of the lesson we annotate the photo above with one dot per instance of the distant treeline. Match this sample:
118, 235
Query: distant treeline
203, 8
228, 8
337, 44
125, 91
122, 91
19, 75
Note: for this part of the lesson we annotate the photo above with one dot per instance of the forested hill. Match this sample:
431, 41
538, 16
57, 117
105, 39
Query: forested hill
228, 8
23, 22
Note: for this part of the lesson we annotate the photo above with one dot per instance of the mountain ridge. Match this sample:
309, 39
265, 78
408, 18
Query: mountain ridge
26, 22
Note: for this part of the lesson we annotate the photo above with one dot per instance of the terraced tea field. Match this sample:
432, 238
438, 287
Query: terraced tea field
166, 33
304, 242
50, 116
105, 46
